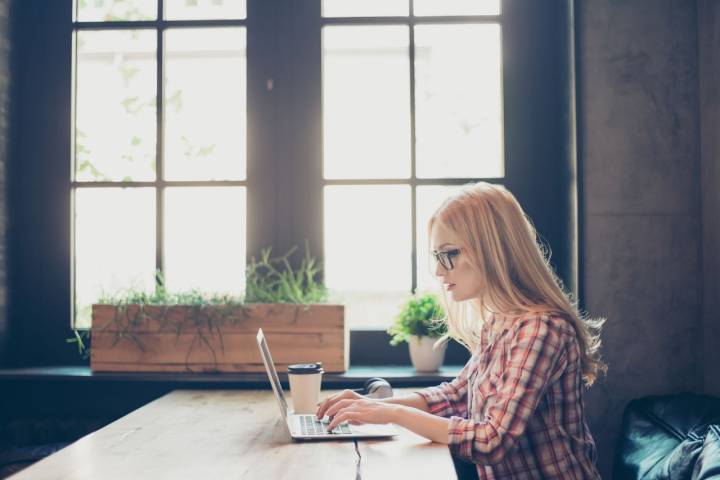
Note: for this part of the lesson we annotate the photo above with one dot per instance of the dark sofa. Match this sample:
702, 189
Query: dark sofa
670, 437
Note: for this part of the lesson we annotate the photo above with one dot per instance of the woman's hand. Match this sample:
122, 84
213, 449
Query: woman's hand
333, 399
363, 410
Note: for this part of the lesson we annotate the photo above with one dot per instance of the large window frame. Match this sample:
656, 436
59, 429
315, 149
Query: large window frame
411, 21
160, 184
284, 158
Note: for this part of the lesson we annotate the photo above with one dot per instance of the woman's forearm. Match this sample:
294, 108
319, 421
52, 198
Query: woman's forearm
412, 412
413, 400
423, 423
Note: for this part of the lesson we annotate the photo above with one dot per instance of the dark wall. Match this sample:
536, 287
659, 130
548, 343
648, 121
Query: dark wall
4, 84
38, 198
638, 101
709, 33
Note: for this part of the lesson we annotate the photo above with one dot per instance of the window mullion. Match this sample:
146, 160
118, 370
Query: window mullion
263, 88
413, 185
159, 156
299, 134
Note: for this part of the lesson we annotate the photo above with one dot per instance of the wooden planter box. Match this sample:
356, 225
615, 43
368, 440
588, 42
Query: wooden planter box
180, 338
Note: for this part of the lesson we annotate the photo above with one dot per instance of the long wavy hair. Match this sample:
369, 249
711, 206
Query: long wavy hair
503, 247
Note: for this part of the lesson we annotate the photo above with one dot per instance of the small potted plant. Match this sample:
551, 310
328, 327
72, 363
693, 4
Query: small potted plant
421, 324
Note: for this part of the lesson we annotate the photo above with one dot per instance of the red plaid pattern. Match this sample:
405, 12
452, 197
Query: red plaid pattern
516, 410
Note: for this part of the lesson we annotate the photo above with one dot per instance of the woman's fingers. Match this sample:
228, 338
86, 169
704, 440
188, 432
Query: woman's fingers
332, 400
324, 405
343, 416
339, 405
327, 403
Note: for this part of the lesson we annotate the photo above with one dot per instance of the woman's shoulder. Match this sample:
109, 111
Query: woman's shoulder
549, 321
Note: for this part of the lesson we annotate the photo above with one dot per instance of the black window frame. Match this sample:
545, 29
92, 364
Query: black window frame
160, 184
284, 170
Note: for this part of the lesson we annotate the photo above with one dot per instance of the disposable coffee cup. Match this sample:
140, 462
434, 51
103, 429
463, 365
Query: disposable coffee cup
305, 380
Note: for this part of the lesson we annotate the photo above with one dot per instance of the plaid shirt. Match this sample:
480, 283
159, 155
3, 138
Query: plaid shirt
516, 409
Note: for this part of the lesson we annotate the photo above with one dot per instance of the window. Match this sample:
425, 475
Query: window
159, 164
159, 175
412, 106
205, 130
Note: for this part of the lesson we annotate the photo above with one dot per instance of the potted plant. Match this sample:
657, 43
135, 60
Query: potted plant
195, 332
421, 324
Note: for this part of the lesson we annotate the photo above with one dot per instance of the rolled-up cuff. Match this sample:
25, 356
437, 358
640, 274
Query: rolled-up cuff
437, 401
460, 437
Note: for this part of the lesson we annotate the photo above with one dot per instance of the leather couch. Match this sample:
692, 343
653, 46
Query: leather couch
670, 437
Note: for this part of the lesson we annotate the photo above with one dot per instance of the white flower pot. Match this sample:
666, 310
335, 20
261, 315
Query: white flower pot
424, 357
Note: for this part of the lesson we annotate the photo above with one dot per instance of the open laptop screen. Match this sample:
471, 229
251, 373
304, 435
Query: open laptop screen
271, 372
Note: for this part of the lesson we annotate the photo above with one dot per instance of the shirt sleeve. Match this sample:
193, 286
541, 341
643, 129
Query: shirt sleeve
534, 350
450, 399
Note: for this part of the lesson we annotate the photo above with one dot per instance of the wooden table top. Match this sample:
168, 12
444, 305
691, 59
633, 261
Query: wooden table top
232, 434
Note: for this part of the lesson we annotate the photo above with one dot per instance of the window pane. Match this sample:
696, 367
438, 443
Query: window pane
204, 9
368, 250
366, 102
115, 130
205, 107
114, 10
364, 8
205, 239
456, 7
458, 101
114, 244
427, 200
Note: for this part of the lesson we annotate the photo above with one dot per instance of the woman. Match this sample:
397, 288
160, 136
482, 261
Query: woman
516, 409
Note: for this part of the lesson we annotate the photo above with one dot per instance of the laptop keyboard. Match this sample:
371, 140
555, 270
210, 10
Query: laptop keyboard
310, 425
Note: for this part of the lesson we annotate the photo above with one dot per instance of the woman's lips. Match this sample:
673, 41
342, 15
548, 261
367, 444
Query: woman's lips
449, 286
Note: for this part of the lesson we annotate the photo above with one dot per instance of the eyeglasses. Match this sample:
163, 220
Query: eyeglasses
445, 257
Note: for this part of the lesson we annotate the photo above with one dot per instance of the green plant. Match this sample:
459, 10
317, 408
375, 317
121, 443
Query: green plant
80, 337
160, 296
275, 280
268, 280
421, 315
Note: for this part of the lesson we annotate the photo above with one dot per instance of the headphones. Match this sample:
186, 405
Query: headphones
376, 388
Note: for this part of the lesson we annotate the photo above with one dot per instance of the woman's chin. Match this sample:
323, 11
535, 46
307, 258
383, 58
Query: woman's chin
456, 296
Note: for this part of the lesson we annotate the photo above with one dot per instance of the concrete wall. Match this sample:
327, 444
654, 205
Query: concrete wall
4, 84
640, 151
709, 34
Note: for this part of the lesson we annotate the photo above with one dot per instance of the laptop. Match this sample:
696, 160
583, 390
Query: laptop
308, 427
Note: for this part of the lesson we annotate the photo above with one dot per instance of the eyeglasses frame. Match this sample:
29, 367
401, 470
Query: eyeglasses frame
448, 255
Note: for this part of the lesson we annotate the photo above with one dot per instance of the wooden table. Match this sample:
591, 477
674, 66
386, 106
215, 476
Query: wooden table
232, 434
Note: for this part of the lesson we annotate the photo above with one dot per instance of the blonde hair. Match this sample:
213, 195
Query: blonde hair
502, 246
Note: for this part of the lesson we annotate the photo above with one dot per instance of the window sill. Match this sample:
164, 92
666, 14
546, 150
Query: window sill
398, 376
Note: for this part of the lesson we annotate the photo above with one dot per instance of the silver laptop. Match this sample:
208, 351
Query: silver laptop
308, 427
